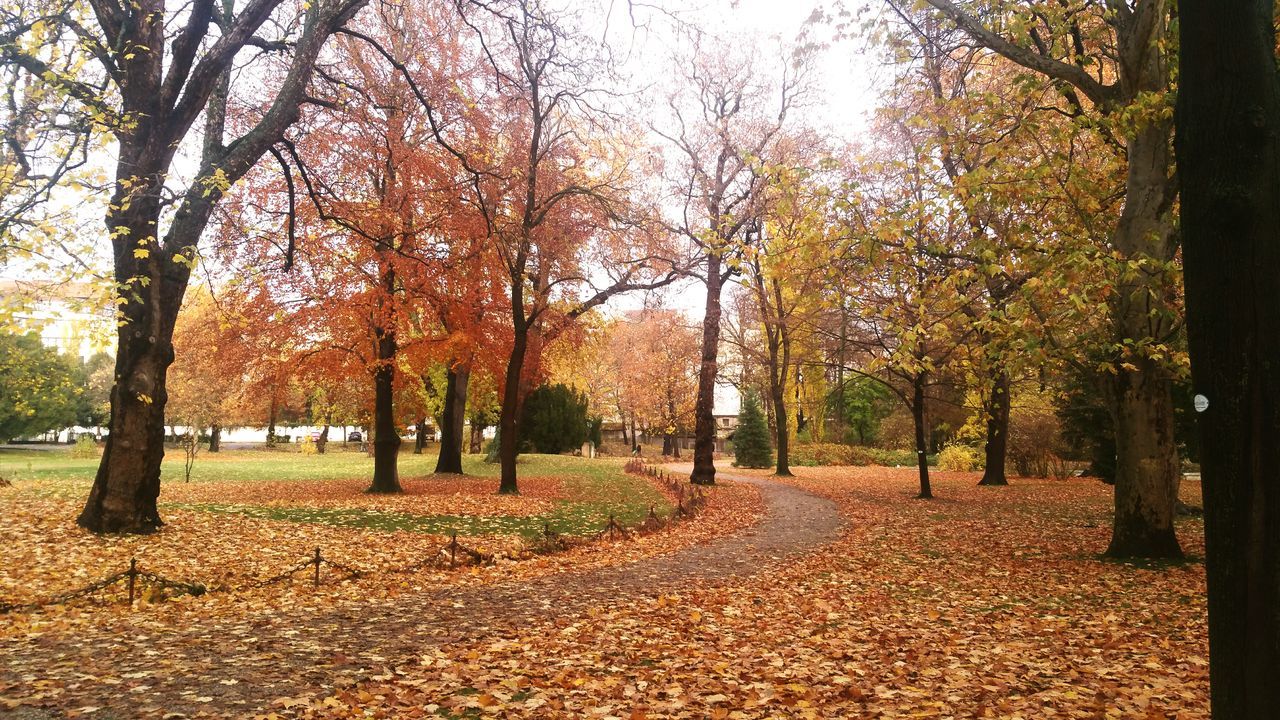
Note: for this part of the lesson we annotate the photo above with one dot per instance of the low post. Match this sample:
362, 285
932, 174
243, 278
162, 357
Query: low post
133, 576
316, 579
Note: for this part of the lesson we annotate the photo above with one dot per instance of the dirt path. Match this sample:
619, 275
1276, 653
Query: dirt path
232, 668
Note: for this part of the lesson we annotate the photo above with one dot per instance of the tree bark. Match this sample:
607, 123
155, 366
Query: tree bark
512, 397
1228, 117
997, 411
477, 437
127, 485
323, 441
419, 437
386, 442
918, 416
215, 438
452, 418
704, 428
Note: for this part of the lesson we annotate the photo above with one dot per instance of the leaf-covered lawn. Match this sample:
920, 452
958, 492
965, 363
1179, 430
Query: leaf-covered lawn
986, 603
570, 495
268, 511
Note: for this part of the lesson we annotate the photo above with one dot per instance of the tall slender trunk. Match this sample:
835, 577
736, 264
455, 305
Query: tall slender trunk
323, 441
452, 418
215, 438
635, 436
918, 416
386, 442
420, 436
1229, 161
512, 397
996, 408
704, 428
477, 437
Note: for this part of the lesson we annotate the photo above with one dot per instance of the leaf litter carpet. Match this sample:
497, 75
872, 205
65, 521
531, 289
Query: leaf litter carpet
848, 600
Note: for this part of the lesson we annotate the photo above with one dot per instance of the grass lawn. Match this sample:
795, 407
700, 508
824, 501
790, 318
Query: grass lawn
587, 491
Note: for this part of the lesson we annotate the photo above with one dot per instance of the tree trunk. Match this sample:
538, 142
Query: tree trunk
386, 442
420, 436
704, 428
215, 438
1229, 159
778, 391
323, 440
635, 435
451, 420
125, 489
667, 445
922, 455
1147, 468
509, 420
477, 437
997, 411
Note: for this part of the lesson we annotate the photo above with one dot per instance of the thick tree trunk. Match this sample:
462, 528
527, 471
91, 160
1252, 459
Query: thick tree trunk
386, 442
1147, 471
125, 490
477, 438
997, 411
215, 438
668, 447
704, 428
776, 388
1147, 468
1229, 159
509, 420
918, 416
323, 441
451, 420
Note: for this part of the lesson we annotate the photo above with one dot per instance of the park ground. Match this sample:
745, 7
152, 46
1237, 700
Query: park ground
831, 594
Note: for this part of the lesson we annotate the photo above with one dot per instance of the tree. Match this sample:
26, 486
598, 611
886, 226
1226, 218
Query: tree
555, 419
1229, 164
784, 272
751, 438
1111, 63
206, 381
551, 176
721, 133
38, 388
146, 73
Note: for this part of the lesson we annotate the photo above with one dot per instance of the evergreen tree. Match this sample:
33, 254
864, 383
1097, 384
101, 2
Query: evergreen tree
554, 420
751, 440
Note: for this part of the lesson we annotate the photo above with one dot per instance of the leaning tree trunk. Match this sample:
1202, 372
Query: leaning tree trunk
323, 441
704, 427
386, 442
996, 409
509, 418
1229, 159
922, 453
452, 418
215, 438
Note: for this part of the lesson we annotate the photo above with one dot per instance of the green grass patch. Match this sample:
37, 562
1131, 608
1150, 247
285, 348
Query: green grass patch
594, 489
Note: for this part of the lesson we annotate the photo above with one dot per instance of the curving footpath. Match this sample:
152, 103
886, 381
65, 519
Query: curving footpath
236, 668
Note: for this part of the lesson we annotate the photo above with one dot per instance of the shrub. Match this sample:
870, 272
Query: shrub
85, 447
307, 447
751, 446
957, 458
554, 419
